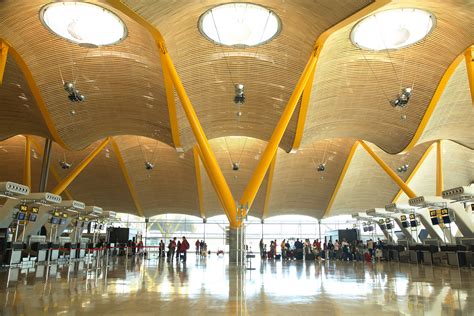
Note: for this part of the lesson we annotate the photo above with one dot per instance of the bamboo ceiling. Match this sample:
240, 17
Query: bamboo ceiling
126, 98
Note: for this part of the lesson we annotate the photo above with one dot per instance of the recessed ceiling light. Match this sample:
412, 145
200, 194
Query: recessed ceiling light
393, 29
86, 24
239, 24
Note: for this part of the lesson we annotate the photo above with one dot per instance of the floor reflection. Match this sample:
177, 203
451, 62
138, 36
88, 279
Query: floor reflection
204, 285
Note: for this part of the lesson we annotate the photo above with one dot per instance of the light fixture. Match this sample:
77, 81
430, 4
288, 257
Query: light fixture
239, 24
149, 165
64, 164
321, 167
239, 93
83, 23
235, 166
402, 99
393, 29
74, 94
403, 168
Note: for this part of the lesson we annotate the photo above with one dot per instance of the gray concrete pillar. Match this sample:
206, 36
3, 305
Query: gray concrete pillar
232, 245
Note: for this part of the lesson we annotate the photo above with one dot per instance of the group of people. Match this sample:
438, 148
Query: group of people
176, 249
337, 250
201, 248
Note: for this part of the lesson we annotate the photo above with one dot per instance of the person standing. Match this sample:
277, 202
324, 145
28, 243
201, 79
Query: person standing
184, 246
283, 249
261, 248
161, 248
197, 244
171, 249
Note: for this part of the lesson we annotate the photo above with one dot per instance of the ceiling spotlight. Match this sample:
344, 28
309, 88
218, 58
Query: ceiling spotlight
65, 165
149, 165
235, 166
321, 167
402, 99
239, 114
403, 168
239, 93
74, 94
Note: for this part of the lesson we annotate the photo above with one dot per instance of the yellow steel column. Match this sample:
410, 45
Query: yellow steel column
3, 59
308, 89
207, 154
171, 106
271, 171
272, 146
470, 69
389, 171
76, 171
439, 169
126, 176
197, 169
27, 163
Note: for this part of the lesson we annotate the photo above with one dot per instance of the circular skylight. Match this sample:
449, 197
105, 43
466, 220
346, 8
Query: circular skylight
83, 23
239, 24
393, 29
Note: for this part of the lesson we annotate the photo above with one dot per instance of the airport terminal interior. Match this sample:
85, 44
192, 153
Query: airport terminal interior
227, 157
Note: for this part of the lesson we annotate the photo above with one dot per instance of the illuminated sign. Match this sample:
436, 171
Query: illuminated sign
433, 213
86, 219
64, 215
387, 220
444, 212
412, 216
381, 221
56, 213
80, 218
35, 209
403, 218
23, 208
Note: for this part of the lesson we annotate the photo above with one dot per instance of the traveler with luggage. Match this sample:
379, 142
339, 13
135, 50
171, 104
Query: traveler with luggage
184, 246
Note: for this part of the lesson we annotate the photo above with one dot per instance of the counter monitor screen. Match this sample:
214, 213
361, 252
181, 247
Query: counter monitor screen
63, 221
365, 228
21, 216
370, 228
435, 221
389, 226
405, 224
32, 217
446, 219
54, 220
383, 227
413, 223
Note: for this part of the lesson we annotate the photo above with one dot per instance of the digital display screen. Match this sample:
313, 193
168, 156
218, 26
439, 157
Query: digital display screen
435, 220
389, 226
370, 228
21, 216
63, 221
412, 216
433, 213
383, 227
23, 208
54, 220
32, 217
78, 224
444, 212
413, 223
405, 224
365, 228
56, 214
446, 219
403, 218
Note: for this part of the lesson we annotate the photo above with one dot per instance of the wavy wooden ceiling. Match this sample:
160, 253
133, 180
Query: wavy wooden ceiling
125, 95
348, 100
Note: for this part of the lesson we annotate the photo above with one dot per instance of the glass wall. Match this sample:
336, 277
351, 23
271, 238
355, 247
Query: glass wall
167, 226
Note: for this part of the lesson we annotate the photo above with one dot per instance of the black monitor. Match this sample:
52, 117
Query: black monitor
389, 226
405, 224
21, 216
55, 220
365, 228
446, 219
33, 217
62, 222
383, 226
413, 223
370, 228
435, 221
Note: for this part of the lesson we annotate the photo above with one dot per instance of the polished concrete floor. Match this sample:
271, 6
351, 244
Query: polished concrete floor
212, 287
